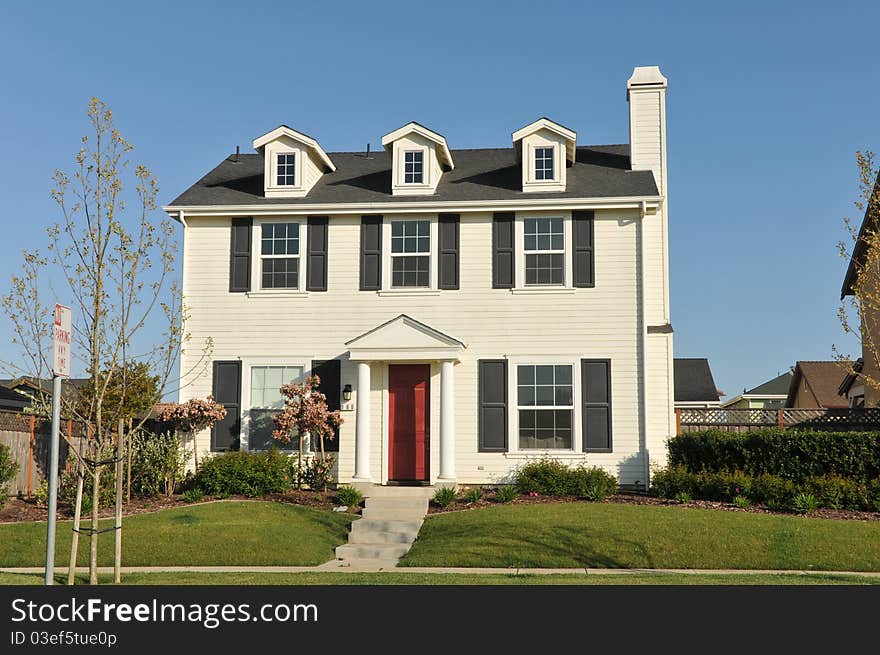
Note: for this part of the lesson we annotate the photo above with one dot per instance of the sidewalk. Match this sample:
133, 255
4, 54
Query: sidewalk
327, 568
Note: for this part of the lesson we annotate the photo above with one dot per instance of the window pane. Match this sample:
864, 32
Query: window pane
556, 225
410, 244
544, 429
525, 374
544, 242
562, 374
396, 229
544, 396
280, 273
531, 226
526, 396
563, 396
410, 271
531, 242
557, 242
544, 374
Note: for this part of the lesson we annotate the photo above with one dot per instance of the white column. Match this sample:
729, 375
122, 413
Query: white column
447, 423
362, 425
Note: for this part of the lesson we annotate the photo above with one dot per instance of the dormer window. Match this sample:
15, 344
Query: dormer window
544, 163
414, 167
287, 169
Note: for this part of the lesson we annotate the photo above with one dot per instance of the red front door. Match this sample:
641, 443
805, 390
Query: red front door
408, 421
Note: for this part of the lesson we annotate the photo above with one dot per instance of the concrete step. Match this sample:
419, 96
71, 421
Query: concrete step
380, 491
393, 513
371, 551
379, 537
378, 525
394, 502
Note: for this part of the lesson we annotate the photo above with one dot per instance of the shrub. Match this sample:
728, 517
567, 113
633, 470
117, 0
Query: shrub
8, 470
506, 493
791, 454
158, 462
349, 496
444, 496
474, 495
544, 476
245, 473
773, 491
41, 494
317, 474
193, 495
591, 483
804, 503
107, 489
683, 497
742, 502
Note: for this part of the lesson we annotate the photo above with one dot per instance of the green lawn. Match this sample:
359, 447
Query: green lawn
332, 578
632, 536
213, 534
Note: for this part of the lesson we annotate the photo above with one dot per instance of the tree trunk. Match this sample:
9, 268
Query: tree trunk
77, 512
195, 450
128, 476
93, 537
117, 556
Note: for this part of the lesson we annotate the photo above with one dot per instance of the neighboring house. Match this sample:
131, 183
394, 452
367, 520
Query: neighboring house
865, 395
25, 387
466, 309
694, 384
11, 400
814, 385
853, 385
769, 395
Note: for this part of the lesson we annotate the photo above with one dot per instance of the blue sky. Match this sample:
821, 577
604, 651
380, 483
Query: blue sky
767, 104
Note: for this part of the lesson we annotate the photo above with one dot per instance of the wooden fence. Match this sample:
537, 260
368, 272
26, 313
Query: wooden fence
27, 438
744, 420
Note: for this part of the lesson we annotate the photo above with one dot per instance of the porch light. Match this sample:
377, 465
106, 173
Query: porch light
346, 393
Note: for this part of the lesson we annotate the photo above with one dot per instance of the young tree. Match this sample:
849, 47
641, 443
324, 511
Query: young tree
115, 265
859, 310
192, 417
305, 413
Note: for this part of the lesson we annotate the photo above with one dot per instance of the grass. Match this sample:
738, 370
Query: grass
632, 536
234, 533
403, 578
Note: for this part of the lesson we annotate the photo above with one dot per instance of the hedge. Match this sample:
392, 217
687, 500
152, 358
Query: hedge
773, 491
245, 473
790, 454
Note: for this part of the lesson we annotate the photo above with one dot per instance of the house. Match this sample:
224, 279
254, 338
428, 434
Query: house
20, 391
11, 400
465, 309
694, 384
864, 258
814, 385
769, 395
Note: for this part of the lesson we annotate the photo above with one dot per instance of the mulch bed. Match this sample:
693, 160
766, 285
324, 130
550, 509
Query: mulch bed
23, 509
643, 499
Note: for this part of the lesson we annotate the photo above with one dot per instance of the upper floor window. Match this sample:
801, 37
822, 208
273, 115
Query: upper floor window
279, 255
545, 406
287, 169
544, 164
544, 248
414, 167
410, 253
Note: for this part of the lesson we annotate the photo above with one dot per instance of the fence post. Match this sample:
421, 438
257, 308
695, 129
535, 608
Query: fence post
780, 418
677, 421
30, 487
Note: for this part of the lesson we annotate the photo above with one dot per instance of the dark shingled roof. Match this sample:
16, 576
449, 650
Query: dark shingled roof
693, 380
823, 380
778, 386
487, 174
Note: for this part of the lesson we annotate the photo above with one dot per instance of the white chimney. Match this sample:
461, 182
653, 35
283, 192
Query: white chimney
646, 93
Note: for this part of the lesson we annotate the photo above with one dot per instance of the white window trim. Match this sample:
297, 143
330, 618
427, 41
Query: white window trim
271, 168
257, 259
519, 273
547, 180
296, 171
513, 404
246, 365
387, 289
400, 173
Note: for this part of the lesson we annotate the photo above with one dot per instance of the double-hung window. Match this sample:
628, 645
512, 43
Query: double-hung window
279, 255
286, 174
414, 167
545, 406
544, 163
266, 401
410, 253
544, 250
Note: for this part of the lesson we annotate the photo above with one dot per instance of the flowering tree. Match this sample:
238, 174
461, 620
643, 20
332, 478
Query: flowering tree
305, 412
191, 417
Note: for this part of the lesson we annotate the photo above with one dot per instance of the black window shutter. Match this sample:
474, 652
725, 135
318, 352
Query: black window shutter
447, 275
584, 262
316, 249
226, 389
330, 373
492, 385
502, 250
371, 253
240, 255
596, 405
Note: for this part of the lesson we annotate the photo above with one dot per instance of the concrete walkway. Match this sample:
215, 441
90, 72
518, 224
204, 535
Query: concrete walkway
333, 566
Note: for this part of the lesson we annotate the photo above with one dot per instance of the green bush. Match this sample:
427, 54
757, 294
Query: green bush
158, 462
506, 493
349, 496
804, 503
107, 484
317, 474
41, 493
193, 495
474, 495
683, 497
245, 473
742, 502
444, 496
8, 470
791, 454
551, 477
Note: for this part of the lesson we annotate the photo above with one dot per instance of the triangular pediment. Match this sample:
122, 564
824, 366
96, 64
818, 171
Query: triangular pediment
404, 337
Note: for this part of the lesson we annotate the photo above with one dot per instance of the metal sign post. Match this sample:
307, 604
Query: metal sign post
60, 368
